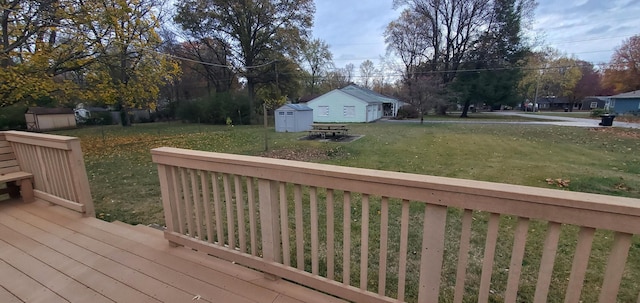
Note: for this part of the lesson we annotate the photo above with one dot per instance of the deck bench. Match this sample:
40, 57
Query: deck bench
19, 183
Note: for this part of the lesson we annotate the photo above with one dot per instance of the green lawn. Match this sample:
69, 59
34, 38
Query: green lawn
125, 186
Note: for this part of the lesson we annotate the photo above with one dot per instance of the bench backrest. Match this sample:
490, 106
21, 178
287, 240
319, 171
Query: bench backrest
8, 162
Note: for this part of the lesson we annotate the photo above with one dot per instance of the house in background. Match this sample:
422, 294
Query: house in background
625, 103
42, 118
293, 118
595, 102
353, 104
556, 103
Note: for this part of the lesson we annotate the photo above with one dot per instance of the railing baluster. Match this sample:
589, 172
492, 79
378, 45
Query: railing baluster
435, 221
218, 208
206, 202
284, 225
313, 196
517, 255
188, 206
364, 242
240, 211
487, 260
579, 266
228, 199
330, 237
615, 267
546, 262
252, 216
346, 239
384, 234
180, 200
463, 255
196, 203
166, 188
297, 197
404, 239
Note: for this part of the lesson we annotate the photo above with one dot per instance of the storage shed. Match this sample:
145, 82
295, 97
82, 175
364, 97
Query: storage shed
42, 118
293, 118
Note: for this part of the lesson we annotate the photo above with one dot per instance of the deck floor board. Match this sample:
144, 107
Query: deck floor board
50, 254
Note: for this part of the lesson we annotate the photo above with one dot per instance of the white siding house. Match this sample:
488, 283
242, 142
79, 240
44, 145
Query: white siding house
351, 104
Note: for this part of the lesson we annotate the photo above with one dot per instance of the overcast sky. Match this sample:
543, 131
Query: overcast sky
587, 29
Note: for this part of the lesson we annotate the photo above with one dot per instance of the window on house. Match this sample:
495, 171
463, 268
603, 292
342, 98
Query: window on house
594, 104
349, 111
289, 113
281, 113
323, 111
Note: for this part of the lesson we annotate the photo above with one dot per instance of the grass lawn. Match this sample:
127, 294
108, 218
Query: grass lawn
125, 186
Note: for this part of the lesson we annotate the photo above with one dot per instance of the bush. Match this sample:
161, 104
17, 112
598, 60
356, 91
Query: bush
407, 112
597, 112
12, 117
216, 109
99, 118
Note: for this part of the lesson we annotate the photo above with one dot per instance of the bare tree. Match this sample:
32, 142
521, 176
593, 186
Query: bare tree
318, 59
409, 38
424, 93
349, 71
367, 71
454, 25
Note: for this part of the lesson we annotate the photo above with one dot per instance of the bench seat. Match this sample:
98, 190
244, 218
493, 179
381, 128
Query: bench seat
19, 184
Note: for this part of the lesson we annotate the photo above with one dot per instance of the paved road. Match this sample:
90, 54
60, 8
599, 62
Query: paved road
557, 120
568, 121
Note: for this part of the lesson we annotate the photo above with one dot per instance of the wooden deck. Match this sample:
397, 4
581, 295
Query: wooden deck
51, 254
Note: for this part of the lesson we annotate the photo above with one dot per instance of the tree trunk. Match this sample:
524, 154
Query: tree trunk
252, 95
465, 109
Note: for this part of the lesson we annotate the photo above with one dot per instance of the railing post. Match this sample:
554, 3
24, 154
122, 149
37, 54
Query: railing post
80, 178
269, 222
167, 189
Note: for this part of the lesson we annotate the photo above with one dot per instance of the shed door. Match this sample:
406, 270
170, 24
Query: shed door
289, 122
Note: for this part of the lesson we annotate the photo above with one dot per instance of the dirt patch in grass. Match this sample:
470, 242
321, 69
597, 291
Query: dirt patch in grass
618, 132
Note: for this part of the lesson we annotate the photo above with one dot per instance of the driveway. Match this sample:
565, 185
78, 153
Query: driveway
566, 121
557, 120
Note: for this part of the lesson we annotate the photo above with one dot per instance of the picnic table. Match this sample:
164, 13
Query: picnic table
322, 130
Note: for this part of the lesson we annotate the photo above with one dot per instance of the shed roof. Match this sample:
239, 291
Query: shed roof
50, 111
366, 95
630, 95
298, 107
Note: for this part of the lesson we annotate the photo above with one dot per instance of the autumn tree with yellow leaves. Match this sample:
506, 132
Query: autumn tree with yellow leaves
102, 52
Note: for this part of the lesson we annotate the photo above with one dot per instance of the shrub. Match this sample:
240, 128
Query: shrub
12, 117
597, 112
99, 118
408, 112
216, 109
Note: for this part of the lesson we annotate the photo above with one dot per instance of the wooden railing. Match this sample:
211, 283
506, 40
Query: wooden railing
57, 166
378, 236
